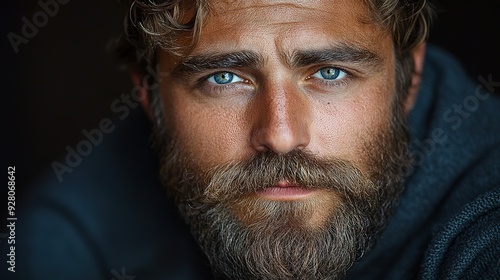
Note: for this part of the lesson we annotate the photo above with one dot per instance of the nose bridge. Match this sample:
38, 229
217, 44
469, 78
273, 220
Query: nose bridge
282, 114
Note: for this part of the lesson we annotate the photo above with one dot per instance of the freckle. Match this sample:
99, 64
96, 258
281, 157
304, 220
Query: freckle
328, 103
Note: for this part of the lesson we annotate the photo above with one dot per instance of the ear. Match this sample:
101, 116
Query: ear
137, 78
418, 54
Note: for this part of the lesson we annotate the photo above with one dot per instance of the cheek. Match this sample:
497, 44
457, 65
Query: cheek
207, 134
343, 128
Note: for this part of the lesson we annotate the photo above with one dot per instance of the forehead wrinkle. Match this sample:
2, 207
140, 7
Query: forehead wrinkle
228, 6
256, 10
295, 5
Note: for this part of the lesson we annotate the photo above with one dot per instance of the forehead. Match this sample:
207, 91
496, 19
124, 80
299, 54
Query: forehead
259, 8
340, 17
284, 26
318, 5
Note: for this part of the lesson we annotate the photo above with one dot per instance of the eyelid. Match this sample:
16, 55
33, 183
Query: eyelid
207, 85
342, 75
210, 78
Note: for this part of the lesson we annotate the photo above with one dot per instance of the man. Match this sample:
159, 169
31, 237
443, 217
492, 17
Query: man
283, 142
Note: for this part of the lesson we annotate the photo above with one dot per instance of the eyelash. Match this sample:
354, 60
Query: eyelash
205, 86
335, 83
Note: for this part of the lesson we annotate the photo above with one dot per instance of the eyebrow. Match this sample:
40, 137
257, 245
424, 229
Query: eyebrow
300, 58
341, 53
200, 63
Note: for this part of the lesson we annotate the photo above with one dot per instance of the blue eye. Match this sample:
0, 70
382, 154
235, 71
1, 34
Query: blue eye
329, 73
222, 78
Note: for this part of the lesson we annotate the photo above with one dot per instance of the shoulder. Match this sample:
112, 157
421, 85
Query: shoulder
468, 246
109, 216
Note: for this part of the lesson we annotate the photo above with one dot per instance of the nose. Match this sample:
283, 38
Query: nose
281, 119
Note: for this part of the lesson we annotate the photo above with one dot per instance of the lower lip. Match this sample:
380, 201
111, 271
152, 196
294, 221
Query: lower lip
285, 193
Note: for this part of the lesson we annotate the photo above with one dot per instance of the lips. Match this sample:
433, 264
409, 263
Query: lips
285, 191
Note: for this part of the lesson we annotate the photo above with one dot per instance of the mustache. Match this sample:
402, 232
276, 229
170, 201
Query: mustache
297, 167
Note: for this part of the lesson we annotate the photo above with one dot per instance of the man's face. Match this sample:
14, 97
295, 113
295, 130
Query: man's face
276, 97
282, 136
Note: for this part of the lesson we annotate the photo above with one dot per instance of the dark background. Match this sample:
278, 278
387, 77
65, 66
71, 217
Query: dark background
66, 77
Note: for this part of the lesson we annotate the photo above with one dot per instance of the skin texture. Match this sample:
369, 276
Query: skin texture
279, 107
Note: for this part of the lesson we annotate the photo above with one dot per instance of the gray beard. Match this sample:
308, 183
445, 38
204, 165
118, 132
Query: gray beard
248, 238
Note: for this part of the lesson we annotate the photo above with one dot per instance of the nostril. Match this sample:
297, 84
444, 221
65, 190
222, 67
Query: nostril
280, 139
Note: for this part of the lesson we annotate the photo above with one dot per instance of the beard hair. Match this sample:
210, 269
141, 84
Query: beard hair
247, 237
